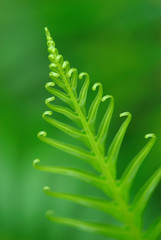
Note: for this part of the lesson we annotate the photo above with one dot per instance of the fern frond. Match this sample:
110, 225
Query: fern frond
117, 190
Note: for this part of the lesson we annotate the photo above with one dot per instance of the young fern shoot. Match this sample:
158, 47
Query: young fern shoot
118, 190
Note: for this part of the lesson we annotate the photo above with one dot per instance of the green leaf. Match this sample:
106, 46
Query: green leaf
94, 106
59, 61
66, 67
55, 77
104, 125
75, 151
131, 171
49, 87
73, 75
99, 204
76, 133
63, 110
116, 144
83, 91
79, 174
54, 67
107, 230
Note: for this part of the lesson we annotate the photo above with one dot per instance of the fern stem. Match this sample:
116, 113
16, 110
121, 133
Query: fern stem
129, 217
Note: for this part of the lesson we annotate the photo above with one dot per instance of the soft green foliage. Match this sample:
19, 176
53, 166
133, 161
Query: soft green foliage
117, 204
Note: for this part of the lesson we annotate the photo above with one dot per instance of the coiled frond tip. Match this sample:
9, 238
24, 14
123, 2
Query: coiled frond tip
150, 135
35, 162
107, 97
82, 74
97, 84
69, 74
49, 84
41, 134
124, 114
50, 99
46, 30
47, 113
46, 188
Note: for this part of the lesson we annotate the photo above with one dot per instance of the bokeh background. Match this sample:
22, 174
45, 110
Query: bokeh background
117, 43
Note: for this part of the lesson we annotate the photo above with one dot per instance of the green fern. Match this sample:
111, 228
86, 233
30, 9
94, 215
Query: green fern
117, 190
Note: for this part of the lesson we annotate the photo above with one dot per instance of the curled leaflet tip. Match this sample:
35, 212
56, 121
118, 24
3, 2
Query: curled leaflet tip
124, 114
54, 74
59, 58
35, 162
49, 84
55, 51
52, 65
51, 47
47, 113
97, 84
150, 135
47, 31
41, 134
46, 188
69, 74
107, 97
66, 65
82, 74
50, 99
48, 36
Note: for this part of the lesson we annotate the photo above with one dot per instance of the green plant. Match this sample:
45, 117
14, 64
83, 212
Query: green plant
117, 190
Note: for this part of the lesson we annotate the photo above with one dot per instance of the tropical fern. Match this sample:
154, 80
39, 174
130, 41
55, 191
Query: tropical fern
117, 204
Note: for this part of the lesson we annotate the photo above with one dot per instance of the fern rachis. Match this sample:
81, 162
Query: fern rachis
118, 190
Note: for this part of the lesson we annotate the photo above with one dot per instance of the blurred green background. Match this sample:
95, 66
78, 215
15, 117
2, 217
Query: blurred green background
117, 43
